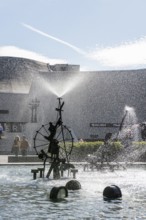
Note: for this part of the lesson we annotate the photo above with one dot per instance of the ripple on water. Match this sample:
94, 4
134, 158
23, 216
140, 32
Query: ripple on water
24, 198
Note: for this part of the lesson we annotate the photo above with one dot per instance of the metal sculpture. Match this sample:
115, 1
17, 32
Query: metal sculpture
104, 155
53, 142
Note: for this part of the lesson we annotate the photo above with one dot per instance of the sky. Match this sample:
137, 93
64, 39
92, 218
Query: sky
95, 34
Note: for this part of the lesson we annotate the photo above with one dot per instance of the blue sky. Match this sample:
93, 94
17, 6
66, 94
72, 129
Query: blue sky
96, 34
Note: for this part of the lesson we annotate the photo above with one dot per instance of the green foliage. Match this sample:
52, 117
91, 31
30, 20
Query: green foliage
82, 149
95, 145
139, 143
86, 145
117, 145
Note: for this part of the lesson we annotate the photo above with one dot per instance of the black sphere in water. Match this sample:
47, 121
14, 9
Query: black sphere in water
73, 185
58, 193
112, 192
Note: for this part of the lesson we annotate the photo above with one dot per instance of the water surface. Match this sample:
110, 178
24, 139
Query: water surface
21, 197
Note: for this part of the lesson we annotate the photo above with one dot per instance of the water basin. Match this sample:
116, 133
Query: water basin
21, 197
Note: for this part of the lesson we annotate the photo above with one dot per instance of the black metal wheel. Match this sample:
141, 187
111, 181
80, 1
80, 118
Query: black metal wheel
63, 136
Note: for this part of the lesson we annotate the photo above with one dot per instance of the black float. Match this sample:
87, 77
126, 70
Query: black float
58, 193
73, 185
112, 192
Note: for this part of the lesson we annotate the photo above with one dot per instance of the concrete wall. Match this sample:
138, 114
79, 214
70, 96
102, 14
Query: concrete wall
89, 97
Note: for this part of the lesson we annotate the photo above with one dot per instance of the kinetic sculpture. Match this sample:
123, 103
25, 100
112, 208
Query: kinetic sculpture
53, 142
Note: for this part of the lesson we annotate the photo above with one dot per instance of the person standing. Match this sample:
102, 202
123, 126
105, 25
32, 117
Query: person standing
24, 145
16, 146
1, 131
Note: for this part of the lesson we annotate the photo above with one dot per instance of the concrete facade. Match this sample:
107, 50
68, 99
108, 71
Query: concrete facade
90, 97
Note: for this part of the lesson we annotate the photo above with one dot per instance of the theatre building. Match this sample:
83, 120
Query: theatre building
94, 100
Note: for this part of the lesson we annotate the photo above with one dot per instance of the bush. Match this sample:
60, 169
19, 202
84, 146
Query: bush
139, 144
82, 149
91, 145
96, 144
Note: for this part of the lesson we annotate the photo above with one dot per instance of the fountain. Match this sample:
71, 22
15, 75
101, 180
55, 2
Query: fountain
128, 134
129, 128
19, 190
